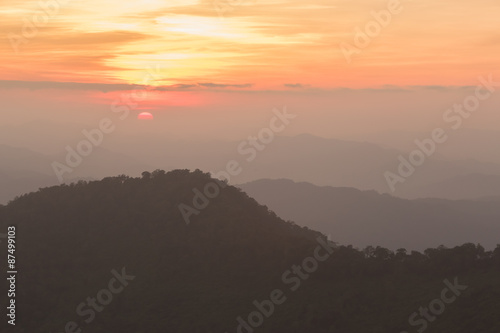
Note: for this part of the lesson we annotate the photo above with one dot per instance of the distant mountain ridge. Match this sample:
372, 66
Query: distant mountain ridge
366, 218
306, 158
23, 170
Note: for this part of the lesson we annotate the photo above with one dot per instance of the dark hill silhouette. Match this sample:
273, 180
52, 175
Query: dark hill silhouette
200, 277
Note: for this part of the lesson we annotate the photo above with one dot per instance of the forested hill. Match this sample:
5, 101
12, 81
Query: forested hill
73, 241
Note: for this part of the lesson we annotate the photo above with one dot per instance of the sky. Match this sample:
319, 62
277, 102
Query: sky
76, 58
266, 44
216, 74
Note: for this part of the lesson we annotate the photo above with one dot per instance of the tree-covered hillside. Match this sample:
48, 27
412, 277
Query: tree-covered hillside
124, 237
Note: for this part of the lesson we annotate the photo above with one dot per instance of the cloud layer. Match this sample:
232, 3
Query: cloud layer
266, 42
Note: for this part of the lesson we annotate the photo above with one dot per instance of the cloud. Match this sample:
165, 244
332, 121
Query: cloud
175, 87
218, 85
296, 85
108, 87
40, 85
300, 88
266, 42
440, 88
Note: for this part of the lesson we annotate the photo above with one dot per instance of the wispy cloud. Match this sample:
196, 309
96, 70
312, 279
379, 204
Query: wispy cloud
266, 42
296, 85
219, 85
108, 87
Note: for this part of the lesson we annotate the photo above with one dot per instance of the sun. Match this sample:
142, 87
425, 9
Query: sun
145, 116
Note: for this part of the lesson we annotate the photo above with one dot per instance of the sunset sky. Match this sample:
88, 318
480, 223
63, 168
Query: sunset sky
257, 44
206, 51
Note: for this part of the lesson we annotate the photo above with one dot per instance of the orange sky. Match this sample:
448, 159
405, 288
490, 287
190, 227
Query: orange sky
257, 45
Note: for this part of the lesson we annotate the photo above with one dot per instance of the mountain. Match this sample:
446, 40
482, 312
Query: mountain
315, 160
117, 256
306, 158
470, 186
363, 218
491, 198
23, 170
43, 135
463, 144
